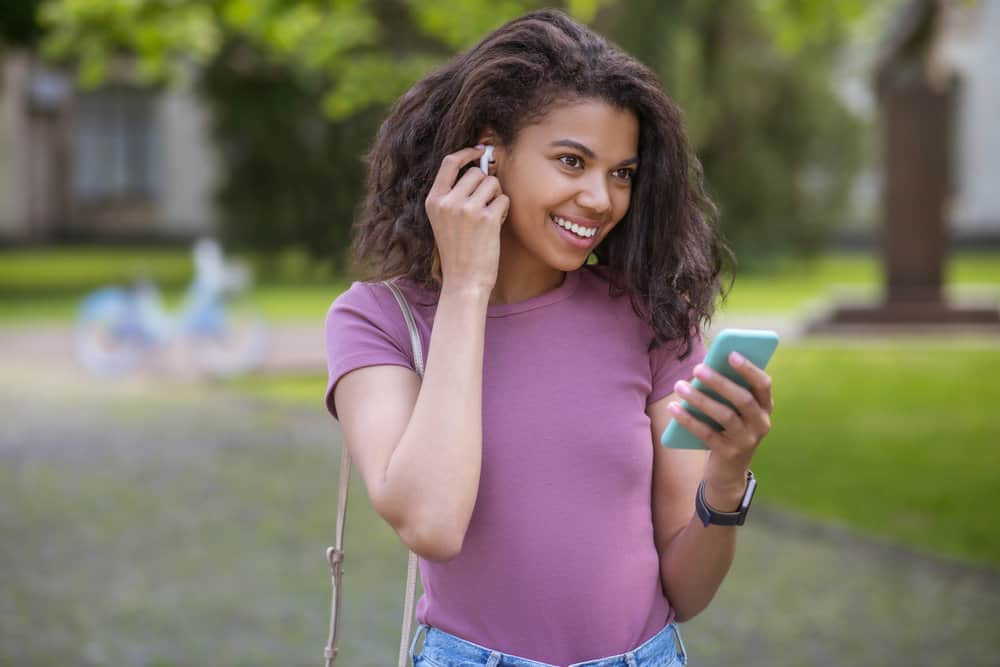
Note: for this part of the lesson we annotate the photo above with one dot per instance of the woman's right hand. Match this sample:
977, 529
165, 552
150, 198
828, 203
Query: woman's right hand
466, 217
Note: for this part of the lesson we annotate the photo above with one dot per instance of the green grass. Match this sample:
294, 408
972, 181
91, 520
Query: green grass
790, 286
187, 533
46, 285
72, 270
899, 440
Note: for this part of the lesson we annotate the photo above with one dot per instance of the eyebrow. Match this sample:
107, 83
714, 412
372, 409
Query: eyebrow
569, 143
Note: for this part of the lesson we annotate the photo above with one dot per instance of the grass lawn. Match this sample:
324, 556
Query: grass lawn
896, 439
173, 528
46, 285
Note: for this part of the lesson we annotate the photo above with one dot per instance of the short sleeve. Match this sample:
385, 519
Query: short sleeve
667, 367
359, 332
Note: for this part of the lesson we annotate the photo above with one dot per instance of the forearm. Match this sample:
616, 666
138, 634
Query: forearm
433, 474
697, 559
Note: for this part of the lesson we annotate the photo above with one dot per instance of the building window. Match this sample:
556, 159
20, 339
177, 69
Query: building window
116, 145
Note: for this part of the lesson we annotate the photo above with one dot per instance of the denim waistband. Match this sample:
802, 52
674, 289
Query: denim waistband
662, 649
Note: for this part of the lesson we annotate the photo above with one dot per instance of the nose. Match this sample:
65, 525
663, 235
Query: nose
594, 194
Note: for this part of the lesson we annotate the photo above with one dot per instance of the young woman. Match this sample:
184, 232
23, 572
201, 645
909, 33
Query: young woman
525, 469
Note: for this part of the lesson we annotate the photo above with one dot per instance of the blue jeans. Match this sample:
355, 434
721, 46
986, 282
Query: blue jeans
441, 649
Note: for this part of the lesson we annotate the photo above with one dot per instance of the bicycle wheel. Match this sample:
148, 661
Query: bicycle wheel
107, 338
229, 340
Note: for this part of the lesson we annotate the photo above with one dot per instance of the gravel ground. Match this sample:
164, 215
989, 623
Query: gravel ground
799, 593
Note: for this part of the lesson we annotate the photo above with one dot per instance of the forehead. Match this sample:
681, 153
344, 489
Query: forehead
612, 133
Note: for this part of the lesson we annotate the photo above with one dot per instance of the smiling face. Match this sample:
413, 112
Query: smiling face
569, 179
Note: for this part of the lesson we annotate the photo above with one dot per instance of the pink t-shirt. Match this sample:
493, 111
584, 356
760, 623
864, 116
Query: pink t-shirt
558, 563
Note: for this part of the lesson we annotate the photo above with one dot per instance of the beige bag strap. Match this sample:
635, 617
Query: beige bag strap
335, 554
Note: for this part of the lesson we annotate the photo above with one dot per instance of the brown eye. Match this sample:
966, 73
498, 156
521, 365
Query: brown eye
574, 161
625, 174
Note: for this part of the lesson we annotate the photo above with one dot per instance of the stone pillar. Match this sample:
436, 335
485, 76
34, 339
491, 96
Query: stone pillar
916, 141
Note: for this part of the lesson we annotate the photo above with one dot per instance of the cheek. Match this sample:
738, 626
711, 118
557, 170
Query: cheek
621, 203
529, 196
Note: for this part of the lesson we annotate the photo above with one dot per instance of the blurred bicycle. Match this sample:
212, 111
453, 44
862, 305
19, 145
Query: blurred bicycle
118, 328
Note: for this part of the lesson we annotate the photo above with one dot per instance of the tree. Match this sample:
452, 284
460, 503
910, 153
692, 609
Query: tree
365, 51
755, 81
18, 26
297, 89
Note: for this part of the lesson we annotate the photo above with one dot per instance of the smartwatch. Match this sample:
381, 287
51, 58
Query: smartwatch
737, 518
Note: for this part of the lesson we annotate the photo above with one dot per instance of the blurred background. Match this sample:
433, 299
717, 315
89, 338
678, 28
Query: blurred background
177, 186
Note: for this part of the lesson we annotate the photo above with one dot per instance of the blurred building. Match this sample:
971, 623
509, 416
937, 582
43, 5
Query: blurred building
127, 161
969, 51
122, 161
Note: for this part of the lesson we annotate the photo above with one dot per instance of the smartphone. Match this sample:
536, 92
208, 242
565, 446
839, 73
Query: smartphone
757, 345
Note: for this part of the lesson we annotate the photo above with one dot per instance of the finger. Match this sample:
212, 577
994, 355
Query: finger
487, 189
760, 382
741, 397
468, 183
724, 415
450, 166
500, 207
697, 428
755, 417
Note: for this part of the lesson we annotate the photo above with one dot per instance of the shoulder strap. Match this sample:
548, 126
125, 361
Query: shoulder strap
411, 566
335, 554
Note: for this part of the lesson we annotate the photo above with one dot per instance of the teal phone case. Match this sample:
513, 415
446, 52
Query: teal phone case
757, 345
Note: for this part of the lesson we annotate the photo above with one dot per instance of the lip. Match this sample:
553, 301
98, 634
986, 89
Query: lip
582, 222
572, 238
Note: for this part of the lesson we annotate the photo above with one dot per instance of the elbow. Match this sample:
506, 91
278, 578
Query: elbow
685, 607
683, 616
687, 610
438, 546
438, 550
430, 537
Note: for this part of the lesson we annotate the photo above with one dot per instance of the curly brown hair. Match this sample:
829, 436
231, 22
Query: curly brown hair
666, 253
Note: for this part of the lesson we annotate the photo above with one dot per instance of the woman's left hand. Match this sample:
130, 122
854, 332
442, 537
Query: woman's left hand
743, 427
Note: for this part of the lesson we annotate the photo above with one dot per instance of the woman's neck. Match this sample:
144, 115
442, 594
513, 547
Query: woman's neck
522, 280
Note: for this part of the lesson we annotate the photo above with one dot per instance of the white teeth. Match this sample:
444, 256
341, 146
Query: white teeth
585, 232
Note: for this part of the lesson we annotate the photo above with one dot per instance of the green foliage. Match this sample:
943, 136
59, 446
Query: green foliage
298, 87
297, 90
364, 52
755, 82
18, 26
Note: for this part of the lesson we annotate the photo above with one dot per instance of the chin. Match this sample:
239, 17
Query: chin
568, 263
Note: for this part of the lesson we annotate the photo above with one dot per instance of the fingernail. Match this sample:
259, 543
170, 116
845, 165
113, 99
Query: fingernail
682, 387
675, 408
480, 146
736, 358
702, 372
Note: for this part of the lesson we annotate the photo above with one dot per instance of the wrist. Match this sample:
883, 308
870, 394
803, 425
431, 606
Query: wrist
466, 292
725, 498
709, 513
725, 479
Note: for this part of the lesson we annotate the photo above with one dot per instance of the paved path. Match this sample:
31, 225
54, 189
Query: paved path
294, 348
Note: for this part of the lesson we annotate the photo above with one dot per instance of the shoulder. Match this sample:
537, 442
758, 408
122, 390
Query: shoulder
618, 307
359, 301
362, 302
375, 299
371, 306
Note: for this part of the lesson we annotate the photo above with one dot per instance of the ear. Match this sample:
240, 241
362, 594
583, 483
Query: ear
490, 138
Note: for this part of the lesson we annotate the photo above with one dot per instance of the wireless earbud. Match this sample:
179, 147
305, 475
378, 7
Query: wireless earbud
484, 162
